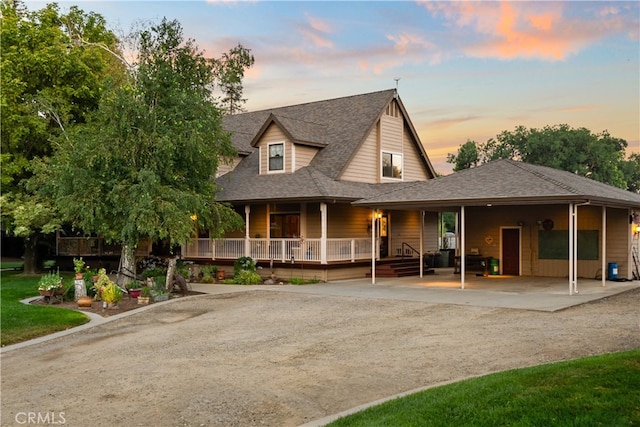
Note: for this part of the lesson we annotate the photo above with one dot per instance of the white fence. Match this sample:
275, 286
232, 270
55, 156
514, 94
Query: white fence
283, 250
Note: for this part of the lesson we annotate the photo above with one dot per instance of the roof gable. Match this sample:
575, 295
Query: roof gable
343, 122
298, 131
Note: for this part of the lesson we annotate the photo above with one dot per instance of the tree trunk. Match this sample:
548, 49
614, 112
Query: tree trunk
31, 265
171, 270
127, 270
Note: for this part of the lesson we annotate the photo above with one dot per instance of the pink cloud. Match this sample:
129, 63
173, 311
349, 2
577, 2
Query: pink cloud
317, 31
528, 30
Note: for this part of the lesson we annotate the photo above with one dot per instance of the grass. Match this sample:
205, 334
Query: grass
20, 322
595, 391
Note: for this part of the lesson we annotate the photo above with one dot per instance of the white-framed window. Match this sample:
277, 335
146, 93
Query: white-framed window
391, 165
276, 157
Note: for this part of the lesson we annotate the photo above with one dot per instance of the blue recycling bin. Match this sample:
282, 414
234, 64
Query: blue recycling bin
613, 271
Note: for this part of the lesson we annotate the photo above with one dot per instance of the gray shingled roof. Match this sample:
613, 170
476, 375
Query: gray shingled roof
505, 182
243, 186
338, 126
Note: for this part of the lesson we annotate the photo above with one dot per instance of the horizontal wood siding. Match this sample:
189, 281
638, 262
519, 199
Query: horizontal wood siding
414, 169
391, 134
364, 166
487, 222
274, 134
431, 231
304, 155
258, 222
224, 168
347, 221
619, 241
404, 227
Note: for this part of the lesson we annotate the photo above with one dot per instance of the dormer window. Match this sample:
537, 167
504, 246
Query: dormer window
276, 157
392, 165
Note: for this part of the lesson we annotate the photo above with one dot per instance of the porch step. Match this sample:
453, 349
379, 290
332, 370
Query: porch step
399, 268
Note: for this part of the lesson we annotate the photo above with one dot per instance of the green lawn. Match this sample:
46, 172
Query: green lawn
595, 391
20, 322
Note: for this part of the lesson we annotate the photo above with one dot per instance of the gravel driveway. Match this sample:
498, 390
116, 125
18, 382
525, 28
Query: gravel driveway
268, 358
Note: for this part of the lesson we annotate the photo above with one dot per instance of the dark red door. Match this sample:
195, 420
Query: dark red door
511, 251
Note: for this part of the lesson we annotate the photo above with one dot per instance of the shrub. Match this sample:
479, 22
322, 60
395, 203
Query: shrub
208, 273
299, 281
244, 263
246, 277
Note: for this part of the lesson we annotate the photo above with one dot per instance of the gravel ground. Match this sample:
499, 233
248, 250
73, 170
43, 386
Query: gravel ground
281, 359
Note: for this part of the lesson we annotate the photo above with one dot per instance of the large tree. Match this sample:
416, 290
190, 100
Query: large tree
53, 69
229, 71
144, 164
597, 156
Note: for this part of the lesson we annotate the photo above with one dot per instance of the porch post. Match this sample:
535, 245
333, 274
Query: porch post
462, 249
571, 249
604, 244
373, 246
421, 243
247, 241
323, 236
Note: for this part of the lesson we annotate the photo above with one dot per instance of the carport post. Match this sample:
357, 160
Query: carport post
421, 243
462, 250
373, 246
604, 243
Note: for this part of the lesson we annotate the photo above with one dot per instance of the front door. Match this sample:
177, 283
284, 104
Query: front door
511, 251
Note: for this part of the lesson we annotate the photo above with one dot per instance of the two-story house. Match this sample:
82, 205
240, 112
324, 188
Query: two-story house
299, 169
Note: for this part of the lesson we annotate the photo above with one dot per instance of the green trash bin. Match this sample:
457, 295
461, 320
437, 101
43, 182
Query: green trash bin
494, 266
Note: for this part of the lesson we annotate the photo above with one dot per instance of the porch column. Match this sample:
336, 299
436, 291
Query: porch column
247, 238
604, 244
373, 246
463, 233
421, 243
323, 236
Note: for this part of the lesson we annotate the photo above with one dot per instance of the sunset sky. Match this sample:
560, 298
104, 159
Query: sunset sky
467, 70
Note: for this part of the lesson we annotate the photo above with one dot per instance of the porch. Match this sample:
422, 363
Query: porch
284, 250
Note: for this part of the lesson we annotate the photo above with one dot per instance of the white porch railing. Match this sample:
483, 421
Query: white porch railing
283, 250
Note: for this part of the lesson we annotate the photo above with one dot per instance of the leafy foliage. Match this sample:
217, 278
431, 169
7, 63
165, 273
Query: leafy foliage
244, 263
600, 157
229, 71
144, 164
54, 67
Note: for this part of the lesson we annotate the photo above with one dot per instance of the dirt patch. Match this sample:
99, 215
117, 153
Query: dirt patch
268, 358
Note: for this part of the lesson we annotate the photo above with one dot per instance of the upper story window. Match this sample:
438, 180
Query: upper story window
392, 165
276, 157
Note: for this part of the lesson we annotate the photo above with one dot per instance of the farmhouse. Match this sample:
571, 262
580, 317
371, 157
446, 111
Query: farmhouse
344, 188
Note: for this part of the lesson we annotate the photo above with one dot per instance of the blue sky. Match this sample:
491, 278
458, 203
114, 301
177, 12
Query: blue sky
467, 69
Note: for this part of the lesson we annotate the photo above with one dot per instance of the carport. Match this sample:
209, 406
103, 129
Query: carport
610, 227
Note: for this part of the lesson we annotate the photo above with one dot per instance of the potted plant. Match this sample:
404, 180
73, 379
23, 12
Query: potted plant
99, 285
160, 292
78, 266
134, 289
111, 294
145, 295
50, 285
